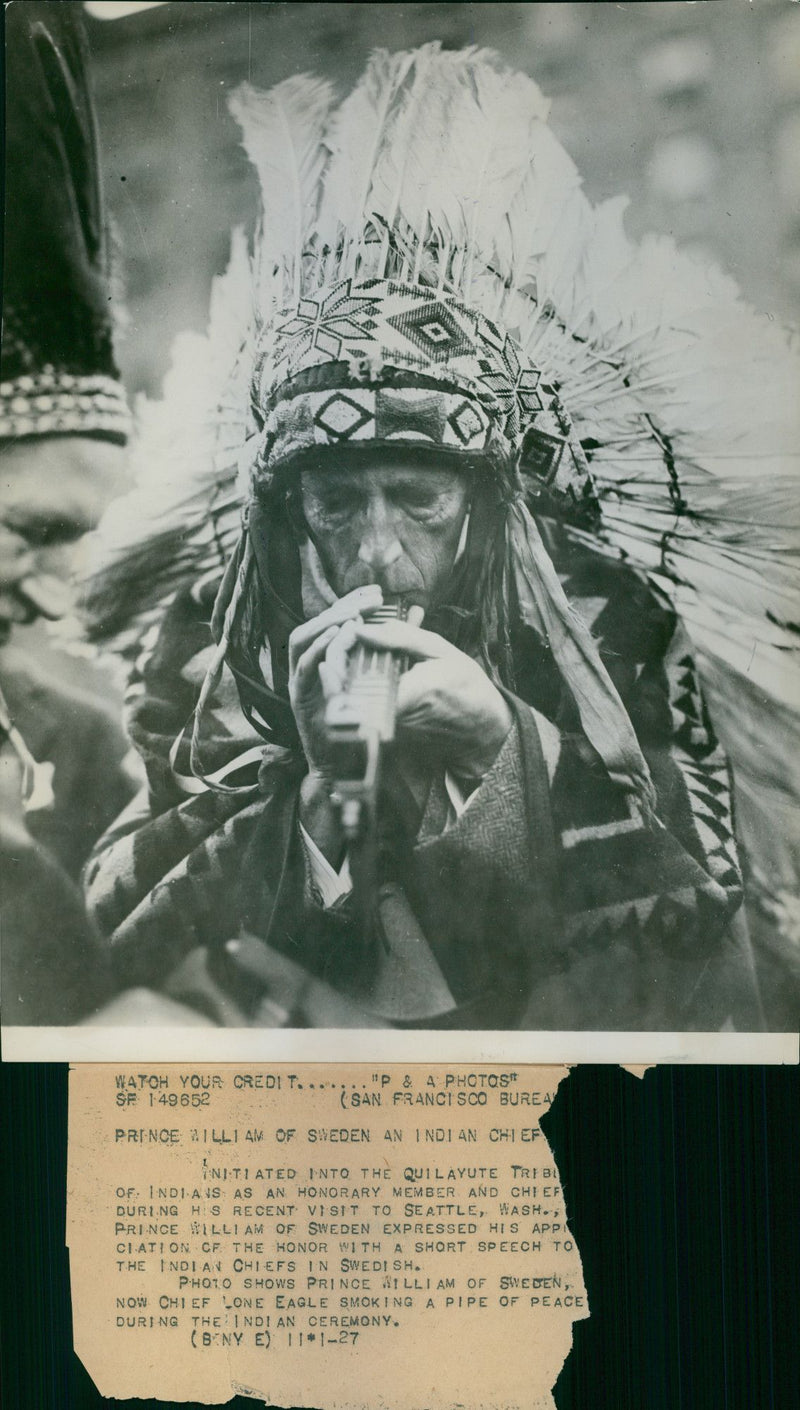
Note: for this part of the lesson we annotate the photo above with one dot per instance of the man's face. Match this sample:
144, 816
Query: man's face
395, 523
52, 491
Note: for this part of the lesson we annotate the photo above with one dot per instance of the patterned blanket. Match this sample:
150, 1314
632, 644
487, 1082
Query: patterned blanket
550, 903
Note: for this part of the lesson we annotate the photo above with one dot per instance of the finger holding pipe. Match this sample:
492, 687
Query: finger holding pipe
336, 657
406, 638
312, 656
361, 600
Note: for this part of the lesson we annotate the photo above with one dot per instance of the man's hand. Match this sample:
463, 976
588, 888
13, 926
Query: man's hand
317, 655
445, 702
448, 711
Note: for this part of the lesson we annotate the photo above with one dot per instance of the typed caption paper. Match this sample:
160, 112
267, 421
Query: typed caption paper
321, 1236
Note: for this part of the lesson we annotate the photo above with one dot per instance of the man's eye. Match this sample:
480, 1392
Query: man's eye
338, 504
417, 499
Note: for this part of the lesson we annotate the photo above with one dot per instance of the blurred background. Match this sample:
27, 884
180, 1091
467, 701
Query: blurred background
693, 110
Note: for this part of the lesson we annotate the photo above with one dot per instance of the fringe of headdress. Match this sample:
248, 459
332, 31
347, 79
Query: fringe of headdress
230, 601
543, 605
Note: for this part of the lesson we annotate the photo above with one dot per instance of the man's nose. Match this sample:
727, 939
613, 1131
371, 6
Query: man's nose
380, 546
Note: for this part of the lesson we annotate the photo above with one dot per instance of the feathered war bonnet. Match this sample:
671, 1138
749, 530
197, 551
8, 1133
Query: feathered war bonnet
427, 269
396, 303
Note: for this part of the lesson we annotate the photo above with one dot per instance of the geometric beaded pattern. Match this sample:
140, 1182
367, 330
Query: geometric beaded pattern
335, 417
704, 767
372, 331
53, 403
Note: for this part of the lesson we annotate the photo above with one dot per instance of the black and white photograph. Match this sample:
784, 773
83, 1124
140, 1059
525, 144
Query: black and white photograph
400, 519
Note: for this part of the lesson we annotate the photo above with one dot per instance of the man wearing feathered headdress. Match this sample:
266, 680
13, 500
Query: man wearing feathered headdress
64, 422
438, 397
